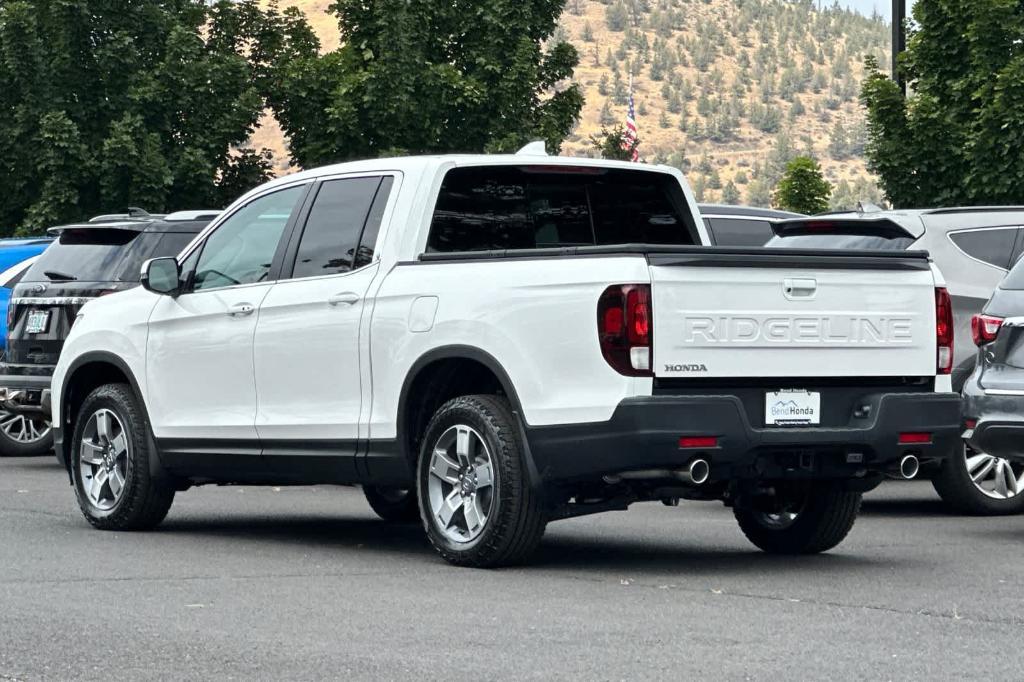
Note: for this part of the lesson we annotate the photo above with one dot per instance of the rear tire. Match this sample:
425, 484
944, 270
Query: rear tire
24, 435
111, 457
954, 485
807, 522
475, 497
393, 504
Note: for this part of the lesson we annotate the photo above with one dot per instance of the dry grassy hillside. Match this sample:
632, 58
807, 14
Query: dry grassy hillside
725, 89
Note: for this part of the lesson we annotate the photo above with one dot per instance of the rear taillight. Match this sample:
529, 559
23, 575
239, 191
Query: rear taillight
624, 318
985, 328
943, 331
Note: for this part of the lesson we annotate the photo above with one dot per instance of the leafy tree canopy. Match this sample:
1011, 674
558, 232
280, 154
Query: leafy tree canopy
429, 76
957, 139
614, 144
110, 104
803, 189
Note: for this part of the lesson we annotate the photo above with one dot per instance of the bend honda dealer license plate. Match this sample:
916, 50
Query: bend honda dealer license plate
37, 321
792, 408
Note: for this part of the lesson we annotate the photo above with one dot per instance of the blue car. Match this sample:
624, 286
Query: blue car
16, 255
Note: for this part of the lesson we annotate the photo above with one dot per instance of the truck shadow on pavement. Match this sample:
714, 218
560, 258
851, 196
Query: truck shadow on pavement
582, 555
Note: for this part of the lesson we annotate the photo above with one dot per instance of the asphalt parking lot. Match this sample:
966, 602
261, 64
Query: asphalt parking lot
301, 583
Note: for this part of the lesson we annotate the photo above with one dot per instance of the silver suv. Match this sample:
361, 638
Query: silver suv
974, 248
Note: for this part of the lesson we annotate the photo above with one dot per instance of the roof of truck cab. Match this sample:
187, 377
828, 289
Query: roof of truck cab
409, 164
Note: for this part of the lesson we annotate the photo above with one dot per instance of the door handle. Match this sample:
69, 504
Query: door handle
800, 288
346, 298
241, 309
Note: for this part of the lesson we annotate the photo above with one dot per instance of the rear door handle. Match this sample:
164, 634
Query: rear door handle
241, 309
346, 298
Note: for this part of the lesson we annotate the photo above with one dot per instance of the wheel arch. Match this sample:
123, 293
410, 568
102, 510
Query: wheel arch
444, 373
86, 373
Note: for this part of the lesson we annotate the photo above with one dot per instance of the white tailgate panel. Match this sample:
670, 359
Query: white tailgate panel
781, 322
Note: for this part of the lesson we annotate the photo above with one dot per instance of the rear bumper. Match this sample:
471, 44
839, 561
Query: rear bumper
25, 393
644, 433
999, 430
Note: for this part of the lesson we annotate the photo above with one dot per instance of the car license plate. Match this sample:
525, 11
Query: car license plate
792, 408
37, 321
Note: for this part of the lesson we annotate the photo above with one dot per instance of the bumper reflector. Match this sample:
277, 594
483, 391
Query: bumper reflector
914, 438
698, 442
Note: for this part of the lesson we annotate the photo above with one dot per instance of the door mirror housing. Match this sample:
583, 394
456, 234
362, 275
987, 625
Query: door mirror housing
162, 276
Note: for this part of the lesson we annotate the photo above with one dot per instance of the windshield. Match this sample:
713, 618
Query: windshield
1014, 280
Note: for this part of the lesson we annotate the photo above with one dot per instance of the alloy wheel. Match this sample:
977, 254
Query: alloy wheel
995, 477
461, 484
104, 460
23, 428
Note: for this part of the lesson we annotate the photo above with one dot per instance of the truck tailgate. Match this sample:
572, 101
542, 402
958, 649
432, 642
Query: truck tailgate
775, 313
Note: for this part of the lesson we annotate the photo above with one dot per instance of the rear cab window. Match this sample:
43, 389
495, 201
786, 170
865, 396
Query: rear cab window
484, 208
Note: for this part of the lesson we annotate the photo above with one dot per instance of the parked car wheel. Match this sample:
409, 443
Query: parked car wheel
24, 435
397, 505
476, 501
975, 483
814, 519
110, 463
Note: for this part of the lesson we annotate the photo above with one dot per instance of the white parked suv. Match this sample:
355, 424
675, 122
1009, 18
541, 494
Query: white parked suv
973, 247
490, 343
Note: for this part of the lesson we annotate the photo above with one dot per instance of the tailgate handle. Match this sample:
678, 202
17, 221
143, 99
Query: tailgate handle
802, 288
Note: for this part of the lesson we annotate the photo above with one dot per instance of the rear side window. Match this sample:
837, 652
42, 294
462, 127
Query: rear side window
346, 215
85, 255
989, 246
740, 232
485, 208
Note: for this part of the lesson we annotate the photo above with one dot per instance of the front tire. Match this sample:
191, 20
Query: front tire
393, 504
23, 435
111, 452
807, 521
476, 501
974, 483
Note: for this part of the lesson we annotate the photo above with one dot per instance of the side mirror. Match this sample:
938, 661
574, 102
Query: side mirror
161, 276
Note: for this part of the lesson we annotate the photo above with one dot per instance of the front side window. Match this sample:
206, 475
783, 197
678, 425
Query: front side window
241, 250
990, 246
340, 215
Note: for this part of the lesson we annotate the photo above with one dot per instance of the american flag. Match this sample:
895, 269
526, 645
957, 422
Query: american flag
630, 137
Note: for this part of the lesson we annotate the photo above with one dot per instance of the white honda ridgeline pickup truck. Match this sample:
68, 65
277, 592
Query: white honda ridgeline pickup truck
490, 343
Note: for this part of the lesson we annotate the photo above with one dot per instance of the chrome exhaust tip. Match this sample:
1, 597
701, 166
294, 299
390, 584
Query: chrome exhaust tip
909, 467
697, 473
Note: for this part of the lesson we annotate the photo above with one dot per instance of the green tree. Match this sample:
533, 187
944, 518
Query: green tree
612, 144
142, 104
730, 193
617, 17
957, 138
803, 189
428, 76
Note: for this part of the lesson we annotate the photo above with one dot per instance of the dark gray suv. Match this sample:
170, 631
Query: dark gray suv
994, 397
